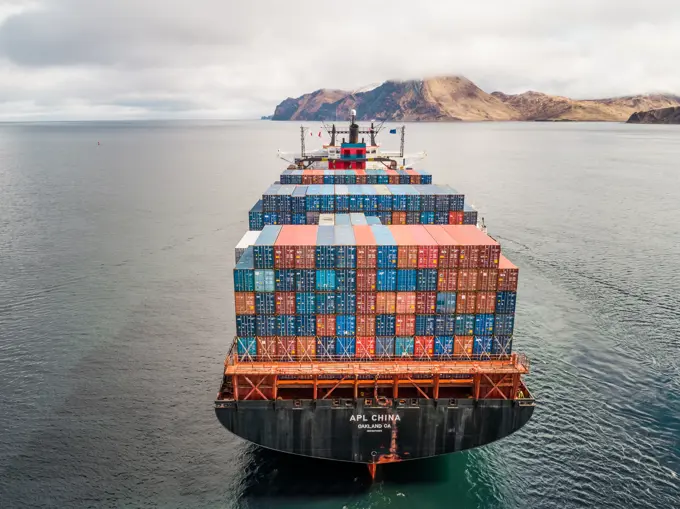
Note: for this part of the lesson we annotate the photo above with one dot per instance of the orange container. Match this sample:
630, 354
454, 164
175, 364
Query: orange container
266, 348
386, 303
485, 302
426, 303
285, 303
325, 325
245, 303
447, 280
462, 345
398, 218
366, 303
285, 347
406, 303
365, 325
306, 347
488, 280
405, 325
465, 302
508, 274
467, 280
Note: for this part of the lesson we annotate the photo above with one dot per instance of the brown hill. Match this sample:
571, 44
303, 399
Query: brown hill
457, 98
660, 116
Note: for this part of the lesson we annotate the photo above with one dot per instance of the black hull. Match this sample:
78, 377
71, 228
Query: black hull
351, 431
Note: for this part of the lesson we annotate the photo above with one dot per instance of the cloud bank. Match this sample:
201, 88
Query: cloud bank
83, 59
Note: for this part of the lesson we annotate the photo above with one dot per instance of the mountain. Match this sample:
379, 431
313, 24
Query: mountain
660, 116
452, 98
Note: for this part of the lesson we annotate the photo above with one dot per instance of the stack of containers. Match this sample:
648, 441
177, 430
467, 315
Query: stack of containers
408, 176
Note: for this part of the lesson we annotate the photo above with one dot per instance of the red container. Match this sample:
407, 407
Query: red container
449, 249
508, 275
447, 280
407, 248
428, 248
266, 348
414, 176
307, 179
488, 280
325, 325
406, 325
424, 346
361, 179
407, 257
426, 303
462, 345
486, 302
366, 303
386, 303
295, 247
367, 251
285, 303
406, 303
365, 325
465, 302
477, 248
306, 348
366, 280
392, 176
365, 347
467, 279
398, 218
456, 217
245, 303
285, 347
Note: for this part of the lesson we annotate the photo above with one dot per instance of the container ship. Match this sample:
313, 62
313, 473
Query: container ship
374, 314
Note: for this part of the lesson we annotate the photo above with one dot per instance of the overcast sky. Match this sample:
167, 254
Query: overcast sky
92, 59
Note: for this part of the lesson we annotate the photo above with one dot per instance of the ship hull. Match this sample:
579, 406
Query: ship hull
354, 431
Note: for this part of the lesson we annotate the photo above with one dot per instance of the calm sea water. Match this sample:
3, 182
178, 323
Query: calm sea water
116, 314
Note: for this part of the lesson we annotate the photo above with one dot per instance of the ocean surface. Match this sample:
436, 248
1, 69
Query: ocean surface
116, 312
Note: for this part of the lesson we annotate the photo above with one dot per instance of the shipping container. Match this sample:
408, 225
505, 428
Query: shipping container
485, 302
443, 346
466, 302
385, 325
256, 217
407, 280
325, 347
366, 303
305, 303
423, 346
284, 280
446, 303
246, 348
445, 325
484, 325
384, 346
325, 325
502, 345
265, 325
387, 247
285, 303
462, 345
244, 275
404, 346
425, 325
506, 302
427, 280
367, 251
447, 280
264, 280
305, 325
488, 280
325, 280
366, 280
285, 325
244, 303
365, 346
325, 303
465, 325
245, 325
405, 325
346, 280
467, 280
482, 345
345, 303
286, 348
406, 303
507, 275
305, 280
246, 241
505, 324
345, 347
263, 249
265, 303
325, 247
365, 325
345, 325
386, 280
266, 348
306, 348
386, 303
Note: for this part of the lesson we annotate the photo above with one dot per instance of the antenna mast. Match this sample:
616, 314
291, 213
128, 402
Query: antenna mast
302, 140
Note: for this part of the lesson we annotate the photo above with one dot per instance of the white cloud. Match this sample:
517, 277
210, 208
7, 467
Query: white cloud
84, 59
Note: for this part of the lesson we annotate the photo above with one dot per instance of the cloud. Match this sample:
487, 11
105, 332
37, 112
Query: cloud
216, 58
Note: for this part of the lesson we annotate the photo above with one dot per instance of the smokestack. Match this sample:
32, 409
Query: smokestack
354, 129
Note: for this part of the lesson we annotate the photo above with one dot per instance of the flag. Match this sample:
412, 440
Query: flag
319, 134
393, 131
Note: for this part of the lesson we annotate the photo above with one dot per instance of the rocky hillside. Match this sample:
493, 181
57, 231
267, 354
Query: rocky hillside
457, 98
660, 116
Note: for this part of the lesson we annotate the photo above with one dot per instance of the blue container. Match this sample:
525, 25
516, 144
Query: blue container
385, 325
245, 325
445, 325
256, 217
313, 198
385, 218
325, 280
305, 325
284, 280
263, 249
327, 202
502, 345
269, 201
441, 217
386, 280
299, 219
345, 248
325, 247
505, 324
270, 218
285, 325
305, 280
305, 304
427, 217
325, 347
244, 276
346, 280
387, 247
325, 303
446, 302
407, 280
403, 346
506, 302
469, 215
345, 303
413, 203
425, 325
284, 198
285, 218
465, 325
341, 203
345, 347
246, 347
482, 345
384, 202
298, 200
443, 346
265, 303
484, 325
413, 218
384, 346
345, 325
265, 325
427, 280
264, 282
398, 197
372, 220
342, 220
